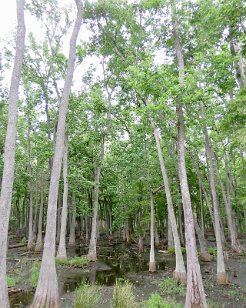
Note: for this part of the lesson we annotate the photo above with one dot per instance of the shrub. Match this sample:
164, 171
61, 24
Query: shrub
171, 250
170, 286
86, 296
73, 262
123, 296
156, 301
212, 251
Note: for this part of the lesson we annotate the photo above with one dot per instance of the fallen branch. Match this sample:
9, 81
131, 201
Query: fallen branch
12, 290
17, 245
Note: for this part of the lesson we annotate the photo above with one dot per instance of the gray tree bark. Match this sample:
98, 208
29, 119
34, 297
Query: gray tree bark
195, 295
92, 254
46, 294
9, 151
221, 273
71, 241
62, 253
30, 218
152, 265
180, 272
39, 241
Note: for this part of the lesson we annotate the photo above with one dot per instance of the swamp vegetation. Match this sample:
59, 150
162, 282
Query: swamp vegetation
123, 154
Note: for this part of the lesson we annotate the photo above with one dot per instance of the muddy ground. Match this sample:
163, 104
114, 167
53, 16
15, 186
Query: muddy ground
116, 260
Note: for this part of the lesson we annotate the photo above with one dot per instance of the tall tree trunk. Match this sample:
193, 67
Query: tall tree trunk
205, 256
92, 254
62, 253
180, 272
47, 289
227, 201
71, 241
170, 241
9, 151
39, 241
221, 273
30, 218
195, 295
152, 265
36, 208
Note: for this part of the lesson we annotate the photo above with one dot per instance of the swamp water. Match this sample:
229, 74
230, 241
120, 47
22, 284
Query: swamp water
113, 262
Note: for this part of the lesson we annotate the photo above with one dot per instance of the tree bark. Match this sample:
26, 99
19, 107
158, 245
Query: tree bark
62, 253
205, 256
195, 295
92, 254
30, 218
221, 273
229, 213
71, 241
39, 241
47, 289
152, 265
180, 272
9, 151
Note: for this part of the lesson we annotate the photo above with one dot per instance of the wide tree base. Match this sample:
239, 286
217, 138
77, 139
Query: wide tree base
46, 294
237, 248
38, 247
180, 276
152, 267
206, 257
222, 278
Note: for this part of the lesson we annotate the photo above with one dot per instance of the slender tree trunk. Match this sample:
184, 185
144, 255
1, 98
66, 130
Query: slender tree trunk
30, 220
92, 254
195, 295
180, 225
229, 213
205, 256
9, 151
152, 265
36, 209
71, 241
221, 273
170, 242
157, 240
62, 253
180, 272
39, 241
47, 289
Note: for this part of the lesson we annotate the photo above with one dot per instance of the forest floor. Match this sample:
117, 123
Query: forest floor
116, 260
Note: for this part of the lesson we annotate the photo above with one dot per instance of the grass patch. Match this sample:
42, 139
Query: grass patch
156, 301
171, 250
170, 287
212, 251
11, 281
123, 296
80, 262
86, 296
35, 273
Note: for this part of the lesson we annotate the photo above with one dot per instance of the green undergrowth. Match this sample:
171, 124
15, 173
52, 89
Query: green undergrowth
80, 262
212, 251
14, 278
86, 296
156, 301
170, 286
171, 250
123, 296
35, 269
11, 281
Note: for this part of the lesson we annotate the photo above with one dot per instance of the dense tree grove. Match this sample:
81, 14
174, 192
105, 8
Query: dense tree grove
137, 133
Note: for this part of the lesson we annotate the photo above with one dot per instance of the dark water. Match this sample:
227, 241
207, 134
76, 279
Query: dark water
113, 263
